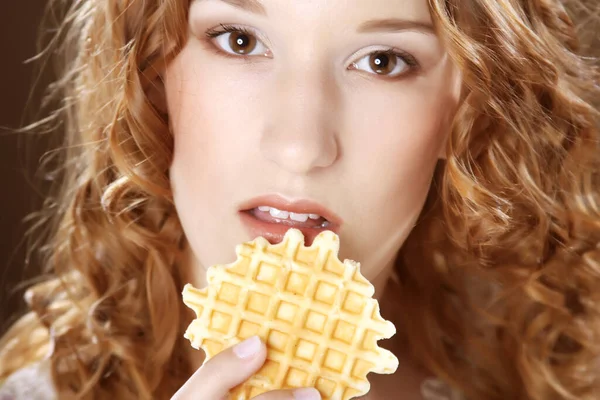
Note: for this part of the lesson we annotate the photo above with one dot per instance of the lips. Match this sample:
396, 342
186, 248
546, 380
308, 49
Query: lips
272, 216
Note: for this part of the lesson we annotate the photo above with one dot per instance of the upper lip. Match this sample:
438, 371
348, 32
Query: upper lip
299, 206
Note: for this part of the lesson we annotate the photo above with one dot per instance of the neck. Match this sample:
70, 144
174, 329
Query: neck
380, 280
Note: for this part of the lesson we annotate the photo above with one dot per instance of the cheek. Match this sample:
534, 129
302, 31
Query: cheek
187, 100
209, 112
399, 136
200, 108
408, 122
395, 138
205, 150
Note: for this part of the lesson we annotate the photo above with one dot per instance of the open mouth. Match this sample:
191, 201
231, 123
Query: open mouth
295, 220
271, 217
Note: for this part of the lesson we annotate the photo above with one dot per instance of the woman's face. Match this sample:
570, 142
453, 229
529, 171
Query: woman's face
316, 114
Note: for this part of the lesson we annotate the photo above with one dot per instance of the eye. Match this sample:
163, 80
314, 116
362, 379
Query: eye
388, 63
237, 41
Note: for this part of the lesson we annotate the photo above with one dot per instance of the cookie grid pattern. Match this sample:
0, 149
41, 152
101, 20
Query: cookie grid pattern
316, 314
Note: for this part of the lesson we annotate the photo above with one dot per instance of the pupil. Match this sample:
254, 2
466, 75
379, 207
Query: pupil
382, 63
242, 41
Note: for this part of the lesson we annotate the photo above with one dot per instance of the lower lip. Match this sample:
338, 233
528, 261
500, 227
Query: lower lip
275, 231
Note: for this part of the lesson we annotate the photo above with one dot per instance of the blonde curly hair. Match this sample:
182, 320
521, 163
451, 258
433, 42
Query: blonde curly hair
500, 280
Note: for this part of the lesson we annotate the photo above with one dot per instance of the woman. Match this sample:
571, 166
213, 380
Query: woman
453, 146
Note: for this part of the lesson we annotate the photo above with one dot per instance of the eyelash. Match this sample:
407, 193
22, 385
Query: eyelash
409, 59
213, 33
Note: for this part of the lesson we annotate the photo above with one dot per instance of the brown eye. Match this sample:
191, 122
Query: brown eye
238, 42
385, 63
382, 63
242, 43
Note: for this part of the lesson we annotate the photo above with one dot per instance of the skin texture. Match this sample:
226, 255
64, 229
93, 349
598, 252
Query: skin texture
304, 125
307, 118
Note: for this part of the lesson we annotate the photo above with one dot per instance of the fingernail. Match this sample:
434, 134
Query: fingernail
307, 394
248, 348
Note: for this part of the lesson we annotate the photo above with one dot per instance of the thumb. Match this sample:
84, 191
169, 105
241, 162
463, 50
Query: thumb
225, 371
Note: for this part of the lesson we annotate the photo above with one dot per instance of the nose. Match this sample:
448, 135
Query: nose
300, 135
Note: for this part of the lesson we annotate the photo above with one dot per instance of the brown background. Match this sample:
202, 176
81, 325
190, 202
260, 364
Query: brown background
19, 22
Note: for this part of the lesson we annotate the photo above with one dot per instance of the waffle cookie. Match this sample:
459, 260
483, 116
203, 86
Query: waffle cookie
316, 314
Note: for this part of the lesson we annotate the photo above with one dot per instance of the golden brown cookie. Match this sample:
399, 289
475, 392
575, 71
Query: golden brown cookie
316, 314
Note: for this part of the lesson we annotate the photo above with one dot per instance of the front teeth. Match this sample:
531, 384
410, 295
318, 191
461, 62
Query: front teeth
279, 214
299, 217
275, 213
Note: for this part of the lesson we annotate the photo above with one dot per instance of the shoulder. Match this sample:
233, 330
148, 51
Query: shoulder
32, 383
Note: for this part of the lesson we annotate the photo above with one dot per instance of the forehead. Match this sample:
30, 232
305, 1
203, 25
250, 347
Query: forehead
342, 9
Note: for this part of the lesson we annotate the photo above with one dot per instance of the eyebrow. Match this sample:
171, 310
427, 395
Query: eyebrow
253, 6
376, 25
395, 25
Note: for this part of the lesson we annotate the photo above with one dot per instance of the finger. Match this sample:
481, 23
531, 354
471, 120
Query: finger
297, 394
225, 371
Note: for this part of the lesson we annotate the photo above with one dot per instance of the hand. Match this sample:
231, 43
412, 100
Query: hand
231, 368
